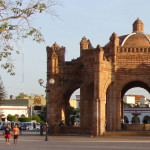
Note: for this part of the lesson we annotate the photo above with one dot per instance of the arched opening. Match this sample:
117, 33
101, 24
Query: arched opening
133, 85
126, 119
135, 100
75, 108
140, 97
146, 120
70, 108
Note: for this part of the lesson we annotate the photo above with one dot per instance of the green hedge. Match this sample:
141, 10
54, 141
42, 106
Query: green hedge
11, 118
37, 118
24, 119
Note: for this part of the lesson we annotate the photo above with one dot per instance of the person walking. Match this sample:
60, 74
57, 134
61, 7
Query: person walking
7, 134
15, 133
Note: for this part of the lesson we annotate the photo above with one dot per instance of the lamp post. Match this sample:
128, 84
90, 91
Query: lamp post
51, 81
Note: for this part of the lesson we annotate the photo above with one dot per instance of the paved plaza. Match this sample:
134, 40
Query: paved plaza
35, 142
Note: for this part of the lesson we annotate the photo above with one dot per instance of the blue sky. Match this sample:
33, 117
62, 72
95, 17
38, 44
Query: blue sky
95, 19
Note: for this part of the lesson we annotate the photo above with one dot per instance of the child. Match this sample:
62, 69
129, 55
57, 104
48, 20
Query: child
7, 134
15, 133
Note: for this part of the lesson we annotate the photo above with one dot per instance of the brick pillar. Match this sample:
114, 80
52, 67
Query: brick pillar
99, 117
83, 95
114, 108
67, 113
109, 108
102, 116
53, 110
118, 114
95, 128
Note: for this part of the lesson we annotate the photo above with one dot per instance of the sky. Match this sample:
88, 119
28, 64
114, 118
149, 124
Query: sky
94, 19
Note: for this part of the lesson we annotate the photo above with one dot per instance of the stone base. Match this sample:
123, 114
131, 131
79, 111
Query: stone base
136, 127
69, 130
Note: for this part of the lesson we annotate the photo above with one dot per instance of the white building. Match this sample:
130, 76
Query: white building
139, 112
13, 107
127, 99
143, 115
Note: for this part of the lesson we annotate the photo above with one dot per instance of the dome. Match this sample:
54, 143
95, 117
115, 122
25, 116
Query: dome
136, 40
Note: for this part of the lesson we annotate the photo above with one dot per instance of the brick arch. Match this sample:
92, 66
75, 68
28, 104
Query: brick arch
106, 85
124, 86
72, 86
67, 92
130, 82
133, 84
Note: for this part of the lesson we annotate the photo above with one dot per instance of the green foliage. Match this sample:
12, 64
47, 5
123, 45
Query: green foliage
37, 118
11, 118
24, 119
16, 24
73, 113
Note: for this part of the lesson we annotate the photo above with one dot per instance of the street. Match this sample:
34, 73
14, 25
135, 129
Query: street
77, 143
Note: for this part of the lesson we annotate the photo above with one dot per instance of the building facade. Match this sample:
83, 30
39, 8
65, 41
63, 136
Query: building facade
28, 107
13, 107
143, 115
103, 74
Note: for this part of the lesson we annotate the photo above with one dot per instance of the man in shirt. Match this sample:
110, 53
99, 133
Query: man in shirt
7, 134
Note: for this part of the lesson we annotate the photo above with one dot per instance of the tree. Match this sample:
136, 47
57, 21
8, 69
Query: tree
16, 24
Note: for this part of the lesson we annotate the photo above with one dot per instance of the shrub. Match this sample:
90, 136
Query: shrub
24, 119
11, 118
37, 118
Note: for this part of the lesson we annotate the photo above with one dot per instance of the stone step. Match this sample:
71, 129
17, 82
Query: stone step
127, 133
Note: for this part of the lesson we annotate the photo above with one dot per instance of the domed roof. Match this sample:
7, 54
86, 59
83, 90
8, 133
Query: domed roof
138, 37
136, 40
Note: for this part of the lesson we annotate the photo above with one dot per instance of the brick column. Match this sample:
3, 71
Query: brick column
95, 128
67, 113
109, 108
102, 116
99, 117
83, 95
118, 114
